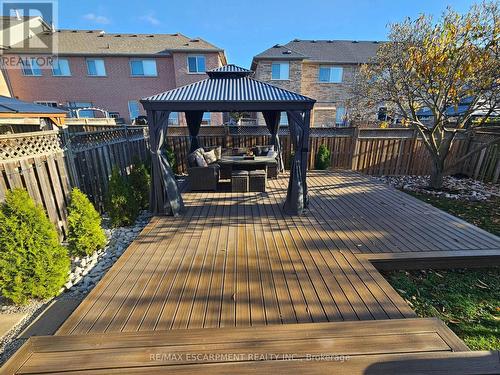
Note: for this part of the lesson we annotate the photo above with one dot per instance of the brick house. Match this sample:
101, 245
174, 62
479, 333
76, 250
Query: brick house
112, 71
320, 69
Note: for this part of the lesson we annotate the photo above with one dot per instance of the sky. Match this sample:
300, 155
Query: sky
246, 28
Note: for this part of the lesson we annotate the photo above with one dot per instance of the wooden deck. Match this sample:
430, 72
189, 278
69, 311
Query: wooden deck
412, 346
234, 260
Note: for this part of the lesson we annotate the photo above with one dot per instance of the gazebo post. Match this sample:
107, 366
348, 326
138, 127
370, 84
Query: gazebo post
305, 154
165, 198
297, 198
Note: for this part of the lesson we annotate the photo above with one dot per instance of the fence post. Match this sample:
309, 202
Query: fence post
70, 159
355, 149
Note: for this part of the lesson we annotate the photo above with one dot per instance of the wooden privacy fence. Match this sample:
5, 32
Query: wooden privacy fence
49, 163
371, 151
35, 161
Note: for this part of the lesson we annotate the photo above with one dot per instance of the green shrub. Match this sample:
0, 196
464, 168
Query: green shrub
120, 203
140, 182
322, 158
33, 264
85, 234
172, 161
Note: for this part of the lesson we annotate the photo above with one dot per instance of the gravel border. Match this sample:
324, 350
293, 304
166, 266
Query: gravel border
460, 188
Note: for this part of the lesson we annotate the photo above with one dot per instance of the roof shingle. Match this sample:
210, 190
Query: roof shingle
96, 42
336, 51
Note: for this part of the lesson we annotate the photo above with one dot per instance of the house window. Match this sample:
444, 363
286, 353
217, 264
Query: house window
31, 68
96, 67
280, 70
330, 74
143, 68
340, 116
196, 64
60, 68
173, 118
77, 105
206, 119
283, 118
133, 109
46, 103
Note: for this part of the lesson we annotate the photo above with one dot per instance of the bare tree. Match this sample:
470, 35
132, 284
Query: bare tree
449, 69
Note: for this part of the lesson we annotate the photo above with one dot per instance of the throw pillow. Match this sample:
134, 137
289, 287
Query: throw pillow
218, 152
200, 161
210, 157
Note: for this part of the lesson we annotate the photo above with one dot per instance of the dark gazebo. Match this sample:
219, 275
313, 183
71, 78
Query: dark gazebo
227, 89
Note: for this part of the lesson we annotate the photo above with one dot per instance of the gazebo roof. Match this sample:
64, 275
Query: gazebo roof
228, 88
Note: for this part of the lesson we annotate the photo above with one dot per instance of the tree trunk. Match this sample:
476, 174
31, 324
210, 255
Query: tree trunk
437, 173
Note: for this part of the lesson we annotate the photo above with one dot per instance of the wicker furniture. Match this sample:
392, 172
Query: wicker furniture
231, 163
239, 181
257, 180
203, 178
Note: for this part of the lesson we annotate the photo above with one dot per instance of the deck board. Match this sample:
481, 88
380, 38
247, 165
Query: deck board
398, 345
236, 260
242, 276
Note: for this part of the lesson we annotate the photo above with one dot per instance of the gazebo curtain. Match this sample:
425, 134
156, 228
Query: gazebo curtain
296, 198
272, 119
165, 198
193, 119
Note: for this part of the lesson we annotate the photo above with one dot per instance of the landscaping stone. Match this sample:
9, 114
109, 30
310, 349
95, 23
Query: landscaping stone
453, 187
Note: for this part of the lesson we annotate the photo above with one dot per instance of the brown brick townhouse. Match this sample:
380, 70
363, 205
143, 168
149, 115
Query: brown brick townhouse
320, 69
112, 71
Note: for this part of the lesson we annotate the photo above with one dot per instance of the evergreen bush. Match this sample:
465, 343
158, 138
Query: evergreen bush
33, 264
85, 234
322, 158
121, 205
140, 182
172, 161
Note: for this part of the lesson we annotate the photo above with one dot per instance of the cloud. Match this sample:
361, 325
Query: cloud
151, 19
97, 18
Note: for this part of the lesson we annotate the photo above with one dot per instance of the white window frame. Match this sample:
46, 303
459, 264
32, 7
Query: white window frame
280, 63
30, 61
143, 75
114, 114
61, 75
96, 75
197, 68
331, 68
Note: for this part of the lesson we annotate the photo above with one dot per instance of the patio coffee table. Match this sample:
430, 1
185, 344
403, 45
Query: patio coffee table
228, 163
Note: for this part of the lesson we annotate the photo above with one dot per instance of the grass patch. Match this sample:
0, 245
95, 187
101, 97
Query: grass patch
485, 215
467, 300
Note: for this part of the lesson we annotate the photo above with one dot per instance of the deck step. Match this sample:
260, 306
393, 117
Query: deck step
384, 346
